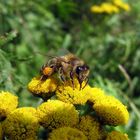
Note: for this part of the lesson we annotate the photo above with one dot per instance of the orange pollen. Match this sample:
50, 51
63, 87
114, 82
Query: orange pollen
47, 71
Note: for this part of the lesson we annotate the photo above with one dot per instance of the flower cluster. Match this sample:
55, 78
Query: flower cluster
110, 8
17, 123
61, 115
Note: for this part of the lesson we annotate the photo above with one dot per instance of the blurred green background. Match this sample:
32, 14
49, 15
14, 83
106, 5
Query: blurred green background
30, 31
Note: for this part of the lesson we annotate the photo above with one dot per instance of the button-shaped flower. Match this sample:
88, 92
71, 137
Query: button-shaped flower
116, 135
105, 7
21, 124
90, 127
42, 88
111, 110
122, 4
8, 103
67, 133
95, 94
72, 95
55, 113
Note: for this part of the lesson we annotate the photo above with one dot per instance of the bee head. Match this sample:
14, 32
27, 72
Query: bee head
82, 73
83, 68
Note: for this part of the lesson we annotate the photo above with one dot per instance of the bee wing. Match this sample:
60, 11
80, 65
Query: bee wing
58, 53
63, 52
65, 55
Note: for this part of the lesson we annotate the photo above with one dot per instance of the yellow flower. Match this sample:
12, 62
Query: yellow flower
109, 8
116, 135
55, 113
90, 127
96, 94
122, 5
105, 7
67, 133
96, 9
126, 7
72, 95
44, 89
1, 132
21, 124
8, 103
111, 111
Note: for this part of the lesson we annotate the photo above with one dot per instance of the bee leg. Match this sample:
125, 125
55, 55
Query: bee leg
87, 79
71, 77
80, 85
62, 77
80, 82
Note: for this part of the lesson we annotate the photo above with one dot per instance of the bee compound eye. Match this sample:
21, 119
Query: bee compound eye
79, 69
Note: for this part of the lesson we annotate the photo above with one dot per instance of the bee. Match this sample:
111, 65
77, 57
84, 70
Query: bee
67, 67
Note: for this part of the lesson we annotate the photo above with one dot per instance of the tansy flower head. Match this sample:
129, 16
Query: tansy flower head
55, 113
42, 88
111, 111
96, 9
105, 7
72, 95
21, 124
109, 8
116, 135
90, 127
95, 94
67, 133
8, 103
122, 5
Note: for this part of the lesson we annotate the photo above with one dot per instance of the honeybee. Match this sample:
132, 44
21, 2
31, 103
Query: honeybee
67, 67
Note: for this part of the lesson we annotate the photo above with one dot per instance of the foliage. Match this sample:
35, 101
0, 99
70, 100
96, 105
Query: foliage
30, 31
